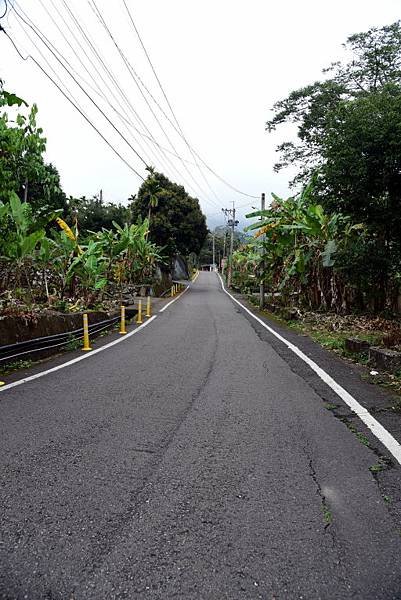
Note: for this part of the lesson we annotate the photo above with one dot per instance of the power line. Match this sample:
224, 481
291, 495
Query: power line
114, 81
44, 41
51, 48
74, 105
108, 72
173, 113
99, 90
132, 72
167, 100
5, 9
111, 76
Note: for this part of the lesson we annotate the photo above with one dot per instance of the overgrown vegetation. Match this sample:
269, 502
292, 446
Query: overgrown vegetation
69, 253
176, 221
336, 245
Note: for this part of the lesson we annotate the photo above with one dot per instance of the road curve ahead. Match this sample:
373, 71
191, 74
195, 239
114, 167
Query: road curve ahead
189, 462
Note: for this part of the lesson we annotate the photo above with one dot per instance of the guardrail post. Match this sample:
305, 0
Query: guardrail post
148, 308
172, 291
139, 316
122, 321
86, 345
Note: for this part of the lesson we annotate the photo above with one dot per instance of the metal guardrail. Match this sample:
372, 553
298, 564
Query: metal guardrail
20, 349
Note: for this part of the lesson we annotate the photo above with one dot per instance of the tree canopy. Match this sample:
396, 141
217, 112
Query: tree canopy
349, 145
22, 167
176, 219
373, 67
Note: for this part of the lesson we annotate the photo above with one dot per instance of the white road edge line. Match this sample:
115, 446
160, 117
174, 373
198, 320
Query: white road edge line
376, 428
172, 301
78, 358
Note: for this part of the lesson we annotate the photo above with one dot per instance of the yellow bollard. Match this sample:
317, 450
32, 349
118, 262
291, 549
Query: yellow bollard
139, 315
86, 333
148, 308
122, 321
2, 383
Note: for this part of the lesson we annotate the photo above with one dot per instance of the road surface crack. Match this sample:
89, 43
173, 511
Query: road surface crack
327, 514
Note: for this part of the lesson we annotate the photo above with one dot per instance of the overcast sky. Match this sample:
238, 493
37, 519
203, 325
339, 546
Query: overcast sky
223, 63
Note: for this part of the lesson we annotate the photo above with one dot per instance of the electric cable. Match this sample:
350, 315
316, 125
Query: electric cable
81, 112
131, 70
171, 108
42, 38
152, 139
99, 91
114, 81
5, 9
168, 102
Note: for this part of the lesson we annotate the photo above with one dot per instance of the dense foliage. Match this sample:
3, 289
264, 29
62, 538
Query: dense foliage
348, 152
105, 250
177, 223
349, 144
304, 252
59, 270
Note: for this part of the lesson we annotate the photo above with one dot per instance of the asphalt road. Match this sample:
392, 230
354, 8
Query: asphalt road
191, 462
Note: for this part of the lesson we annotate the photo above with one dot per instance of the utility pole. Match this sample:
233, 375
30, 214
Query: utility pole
232, 223
214, 253
262, 283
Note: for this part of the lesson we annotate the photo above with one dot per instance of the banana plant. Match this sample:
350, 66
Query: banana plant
301, 244
90, 268
25, 236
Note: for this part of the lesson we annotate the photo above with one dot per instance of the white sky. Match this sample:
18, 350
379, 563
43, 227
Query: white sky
223, 64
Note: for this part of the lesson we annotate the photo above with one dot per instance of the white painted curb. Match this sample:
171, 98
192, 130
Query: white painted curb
376, 428
172, 301
89, 354
78, 358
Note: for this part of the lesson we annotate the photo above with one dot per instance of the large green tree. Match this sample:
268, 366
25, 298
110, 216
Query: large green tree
374, 63
93, 214
22, 167
349, 145
176, 219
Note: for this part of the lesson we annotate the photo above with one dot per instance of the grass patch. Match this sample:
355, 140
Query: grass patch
15, 366
327, 514
358, 434
330, 406
376, 468
73, 343
362, 438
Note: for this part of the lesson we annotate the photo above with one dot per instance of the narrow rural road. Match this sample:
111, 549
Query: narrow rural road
192, 462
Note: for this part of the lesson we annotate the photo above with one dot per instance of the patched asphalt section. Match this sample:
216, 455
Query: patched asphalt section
189, 462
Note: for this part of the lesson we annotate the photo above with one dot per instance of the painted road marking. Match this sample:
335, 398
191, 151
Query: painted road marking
376, 428
78, 358
172, 301
84, 356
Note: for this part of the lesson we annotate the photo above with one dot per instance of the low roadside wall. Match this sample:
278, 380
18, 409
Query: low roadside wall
24, 328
